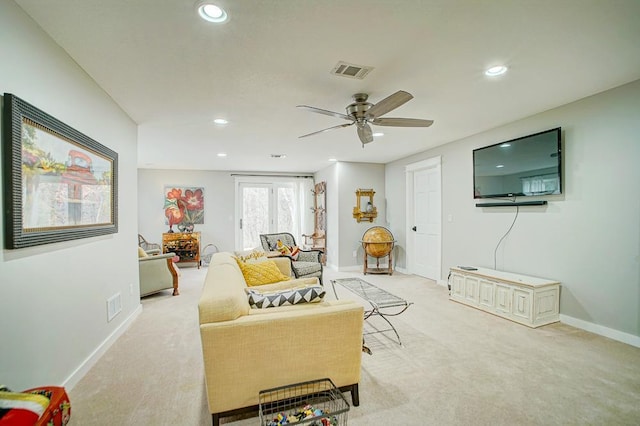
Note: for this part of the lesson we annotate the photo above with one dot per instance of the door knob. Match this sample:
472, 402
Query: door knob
414, 228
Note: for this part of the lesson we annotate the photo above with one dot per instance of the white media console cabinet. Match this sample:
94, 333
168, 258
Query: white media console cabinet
526, 300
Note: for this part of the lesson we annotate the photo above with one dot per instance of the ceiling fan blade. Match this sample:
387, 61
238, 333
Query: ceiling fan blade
325, 112
364, 133
388, 104
326, 130
402, 122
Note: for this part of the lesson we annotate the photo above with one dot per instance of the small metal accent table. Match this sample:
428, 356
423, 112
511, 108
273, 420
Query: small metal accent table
378, 298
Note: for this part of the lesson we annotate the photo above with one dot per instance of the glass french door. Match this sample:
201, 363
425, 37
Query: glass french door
265, 208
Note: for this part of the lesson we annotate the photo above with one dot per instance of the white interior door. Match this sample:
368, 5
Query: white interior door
424, 219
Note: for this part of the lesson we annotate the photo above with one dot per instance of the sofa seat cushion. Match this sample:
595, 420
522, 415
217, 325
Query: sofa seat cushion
319, 306
261, 273
307, 268
259, 299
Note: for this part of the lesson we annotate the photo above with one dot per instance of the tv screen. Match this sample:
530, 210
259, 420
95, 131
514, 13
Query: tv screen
526, 166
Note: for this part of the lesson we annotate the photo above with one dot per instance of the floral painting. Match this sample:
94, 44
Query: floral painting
183, 207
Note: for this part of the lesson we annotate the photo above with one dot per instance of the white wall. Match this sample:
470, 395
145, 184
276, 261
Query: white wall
588, 238
352, 176
330, 176
343, 232
219, 199
53, 297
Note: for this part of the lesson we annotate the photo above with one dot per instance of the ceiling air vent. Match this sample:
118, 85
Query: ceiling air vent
345, 69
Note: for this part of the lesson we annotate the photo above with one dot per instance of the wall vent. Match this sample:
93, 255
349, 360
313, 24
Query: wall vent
114, 306
345, 69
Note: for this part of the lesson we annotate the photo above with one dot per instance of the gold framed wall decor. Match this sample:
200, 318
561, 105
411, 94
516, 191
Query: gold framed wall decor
365, 210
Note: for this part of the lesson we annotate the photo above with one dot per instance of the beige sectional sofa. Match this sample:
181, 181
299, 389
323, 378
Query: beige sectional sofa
246, 350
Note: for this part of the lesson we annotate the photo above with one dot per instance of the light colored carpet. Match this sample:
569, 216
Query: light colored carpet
458, 366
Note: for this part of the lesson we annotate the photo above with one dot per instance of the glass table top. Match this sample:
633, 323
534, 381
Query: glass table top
369, 292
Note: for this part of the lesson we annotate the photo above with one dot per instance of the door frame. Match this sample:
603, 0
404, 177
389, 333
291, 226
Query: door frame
410, 169
272, 182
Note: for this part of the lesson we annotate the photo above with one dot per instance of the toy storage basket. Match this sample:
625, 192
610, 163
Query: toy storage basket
313, 403
207, 252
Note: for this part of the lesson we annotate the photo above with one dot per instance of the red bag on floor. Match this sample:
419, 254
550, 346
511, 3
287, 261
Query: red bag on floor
42, 406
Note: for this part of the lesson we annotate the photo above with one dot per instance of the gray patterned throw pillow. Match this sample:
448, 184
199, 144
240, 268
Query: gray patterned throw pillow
309, 294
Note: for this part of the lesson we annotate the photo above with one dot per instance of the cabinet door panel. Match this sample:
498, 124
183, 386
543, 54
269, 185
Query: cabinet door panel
546, 305
486, 294
522, 302
471, 290
457, 286
503, 298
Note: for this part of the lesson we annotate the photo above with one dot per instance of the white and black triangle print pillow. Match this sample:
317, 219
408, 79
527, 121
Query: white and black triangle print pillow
309, 294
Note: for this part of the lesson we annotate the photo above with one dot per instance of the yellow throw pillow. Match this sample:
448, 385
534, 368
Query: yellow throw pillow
266, 272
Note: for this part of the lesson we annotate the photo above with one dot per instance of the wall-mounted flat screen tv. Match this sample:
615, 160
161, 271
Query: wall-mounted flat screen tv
526, 166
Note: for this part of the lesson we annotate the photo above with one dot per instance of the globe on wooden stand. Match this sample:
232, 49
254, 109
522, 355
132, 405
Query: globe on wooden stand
378, 242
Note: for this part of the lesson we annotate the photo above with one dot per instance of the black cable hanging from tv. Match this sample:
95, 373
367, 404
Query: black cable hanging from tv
495, 252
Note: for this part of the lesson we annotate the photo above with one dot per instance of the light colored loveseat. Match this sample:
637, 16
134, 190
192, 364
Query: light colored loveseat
246, 350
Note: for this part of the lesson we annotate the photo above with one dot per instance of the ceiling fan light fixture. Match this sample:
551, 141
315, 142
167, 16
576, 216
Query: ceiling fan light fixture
378, 134
495, 71
211, 12
363, 113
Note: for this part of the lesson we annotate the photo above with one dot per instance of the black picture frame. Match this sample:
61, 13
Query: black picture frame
49, 198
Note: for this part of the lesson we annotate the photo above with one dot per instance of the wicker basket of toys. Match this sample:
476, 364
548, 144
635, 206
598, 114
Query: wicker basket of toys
313, 403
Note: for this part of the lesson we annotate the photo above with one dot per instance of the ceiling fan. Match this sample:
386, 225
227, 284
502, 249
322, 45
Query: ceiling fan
362, 113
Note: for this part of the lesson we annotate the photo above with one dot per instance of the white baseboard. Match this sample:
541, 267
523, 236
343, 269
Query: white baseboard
91, 360
331, 266
353, 268
601, 330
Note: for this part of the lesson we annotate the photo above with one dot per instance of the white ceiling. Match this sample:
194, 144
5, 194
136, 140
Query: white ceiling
173, 72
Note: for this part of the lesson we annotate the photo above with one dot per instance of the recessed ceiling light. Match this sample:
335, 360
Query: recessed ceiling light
333, 159
497, 70
222, 154
378, 134
220, 121
211, 12
505, 145
499, 166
